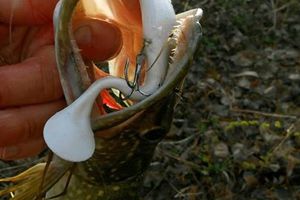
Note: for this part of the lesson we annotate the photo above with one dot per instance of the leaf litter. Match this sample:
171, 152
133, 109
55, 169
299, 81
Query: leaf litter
237, 128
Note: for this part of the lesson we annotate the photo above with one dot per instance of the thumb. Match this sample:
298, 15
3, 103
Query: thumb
97, 35
99, 40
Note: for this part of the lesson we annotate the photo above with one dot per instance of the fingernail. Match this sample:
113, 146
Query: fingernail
83, 35
9, 152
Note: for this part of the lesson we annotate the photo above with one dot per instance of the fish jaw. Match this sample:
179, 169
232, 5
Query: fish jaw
77, 116
126, 153
68, 128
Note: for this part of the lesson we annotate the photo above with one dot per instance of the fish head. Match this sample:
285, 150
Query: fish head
128, 106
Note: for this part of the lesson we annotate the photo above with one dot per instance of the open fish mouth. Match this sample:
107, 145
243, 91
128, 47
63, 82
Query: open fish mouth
113, 145
135, 79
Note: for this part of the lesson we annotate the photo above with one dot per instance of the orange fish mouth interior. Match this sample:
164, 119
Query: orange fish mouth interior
125, 22
126, 61
110, 100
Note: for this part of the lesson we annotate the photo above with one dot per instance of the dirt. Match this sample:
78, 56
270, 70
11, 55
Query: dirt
236, 132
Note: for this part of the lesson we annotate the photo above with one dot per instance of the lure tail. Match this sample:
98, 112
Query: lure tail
28, 184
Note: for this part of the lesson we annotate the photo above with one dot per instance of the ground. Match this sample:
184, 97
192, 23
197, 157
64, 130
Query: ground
236, 132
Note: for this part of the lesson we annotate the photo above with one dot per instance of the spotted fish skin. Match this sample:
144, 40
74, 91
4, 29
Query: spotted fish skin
86, 191
116, 169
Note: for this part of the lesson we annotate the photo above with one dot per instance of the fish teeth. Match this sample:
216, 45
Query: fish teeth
181, 35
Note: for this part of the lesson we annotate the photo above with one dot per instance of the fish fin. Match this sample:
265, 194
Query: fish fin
27, 185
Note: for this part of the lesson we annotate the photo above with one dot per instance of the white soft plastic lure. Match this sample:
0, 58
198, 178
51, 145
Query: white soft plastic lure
68, 133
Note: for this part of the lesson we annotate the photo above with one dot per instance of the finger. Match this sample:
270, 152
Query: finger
36, 79
99, 40
33, 81
26, 12
128, 13
22, 150
18, 125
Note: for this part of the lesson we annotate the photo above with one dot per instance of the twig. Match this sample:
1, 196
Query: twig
184, 193
289, 132
284, 6
273, 4
183, 141
275, 115
186, 5
190, 164
18, 167
276, 10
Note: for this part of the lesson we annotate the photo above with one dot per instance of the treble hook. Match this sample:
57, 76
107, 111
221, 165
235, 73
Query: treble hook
135, 84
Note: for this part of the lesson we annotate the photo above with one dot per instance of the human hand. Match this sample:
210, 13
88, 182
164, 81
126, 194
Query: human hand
30, 91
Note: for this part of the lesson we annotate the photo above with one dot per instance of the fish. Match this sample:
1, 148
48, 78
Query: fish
127, 130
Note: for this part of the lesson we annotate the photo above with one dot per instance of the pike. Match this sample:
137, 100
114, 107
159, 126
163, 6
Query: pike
111, 165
